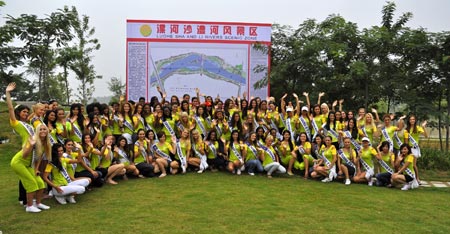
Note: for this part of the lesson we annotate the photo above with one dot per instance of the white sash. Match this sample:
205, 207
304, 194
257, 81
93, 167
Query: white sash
289, 127
203, 164
200, 124
238, 155
60, 139
332, 174
87, 162
181, 156
64, 173
397, 139
180, 126
77, 131
301, 150
123, 156
142, 121
128, 125
162, 154
334, 133
212, 148
364, 131
28, 127
219, 130
354, 143
369, 170
415, 149
52, 139
74, 165
388, 139
306, 127
169, 128
385, 166
253, 149
143, 151
272, 155
346, 160
315, 127
414, 182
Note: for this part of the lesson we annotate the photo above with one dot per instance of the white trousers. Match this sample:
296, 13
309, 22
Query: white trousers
77, 186
274, 166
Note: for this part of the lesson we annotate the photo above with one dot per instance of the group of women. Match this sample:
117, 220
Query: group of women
68, 153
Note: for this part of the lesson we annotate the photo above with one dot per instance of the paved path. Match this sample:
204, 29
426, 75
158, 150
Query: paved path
437, 184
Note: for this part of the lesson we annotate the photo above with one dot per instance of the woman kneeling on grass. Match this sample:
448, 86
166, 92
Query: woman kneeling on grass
386, 158
163, 150
142, 159
64, 186
325, 166
252, 154
26, 165
270, 158
346, 160
366, 156
112, 169
122, 154
234, 149
405, 175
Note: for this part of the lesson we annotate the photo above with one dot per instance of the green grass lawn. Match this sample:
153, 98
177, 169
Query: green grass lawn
223, 203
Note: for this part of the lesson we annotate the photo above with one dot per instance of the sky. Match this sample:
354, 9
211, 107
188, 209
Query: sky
109, 18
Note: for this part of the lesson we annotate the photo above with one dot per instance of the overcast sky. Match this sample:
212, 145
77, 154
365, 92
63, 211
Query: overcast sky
109, 18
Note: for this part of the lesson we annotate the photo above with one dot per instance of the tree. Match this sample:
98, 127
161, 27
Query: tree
40, 37
65, 59
82, 65
116, 86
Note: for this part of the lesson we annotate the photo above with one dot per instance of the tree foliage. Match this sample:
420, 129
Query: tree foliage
389, 63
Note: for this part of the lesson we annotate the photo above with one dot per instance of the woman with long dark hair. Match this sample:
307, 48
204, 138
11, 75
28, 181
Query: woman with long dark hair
412, 137
64, 186
76, 119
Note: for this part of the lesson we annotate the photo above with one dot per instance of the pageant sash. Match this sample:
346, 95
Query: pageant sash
162, 154
306, 127
388, 138
203, 158
128, 125
415, 149
346, 160
386, 167
354, 143
332, 174
369, 170
181, 156
200, 124
64, 173
169, 128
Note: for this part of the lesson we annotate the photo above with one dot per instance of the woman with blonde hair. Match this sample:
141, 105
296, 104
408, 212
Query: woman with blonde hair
368, 127
26, 165
37, 117
200, 150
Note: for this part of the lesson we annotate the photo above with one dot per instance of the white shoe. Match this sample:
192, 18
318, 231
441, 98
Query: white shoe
32, 209
71, 199
200, 171
42, 206
251, 173
162, 175
326, 180
406, 187
50, 194
238, 171
347, 182
370, 183
61, 200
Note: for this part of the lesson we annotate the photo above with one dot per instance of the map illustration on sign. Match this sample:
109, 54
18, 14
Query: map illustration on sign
219, 58
180, 68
